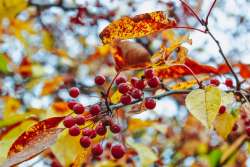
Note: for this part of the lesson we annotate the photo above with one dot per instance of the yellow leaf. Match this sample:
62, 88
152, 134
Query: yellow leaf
137, 26
135, 124
146, 155
187, 84
10, 8
7, 140
224, 123
109, 164
48, 40
12, 105
51, 85
204, 104
115, 98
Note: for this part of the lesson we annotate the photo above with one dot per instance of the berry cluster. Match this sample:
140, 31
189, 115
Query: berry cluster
134, 89
75, 124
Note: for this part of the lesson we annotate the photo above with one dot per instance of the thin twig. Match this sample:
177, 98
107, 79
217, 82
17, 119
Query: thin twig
190, 28
209, 12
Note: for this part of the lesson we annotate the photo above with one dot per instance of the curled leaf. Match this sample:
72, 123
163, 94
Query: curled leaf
137, 26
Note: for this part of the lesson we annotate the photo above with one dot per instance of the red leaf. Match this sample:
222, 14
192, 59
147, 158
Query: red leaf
34, 140
180, 71
244, 70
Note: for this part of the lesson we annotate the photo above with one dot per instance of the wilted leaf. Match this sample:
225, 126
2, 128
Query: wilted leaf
146, 155
36, 132
204, 104
137, 26
130, 55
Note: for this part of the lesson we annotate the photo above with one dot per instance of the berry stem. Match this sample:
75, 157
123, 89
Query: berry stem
111, 84
190, 28
209, 12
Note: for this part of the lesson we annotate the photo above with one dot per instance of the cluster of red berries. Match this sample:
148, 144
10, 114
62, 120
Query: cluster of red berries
74, 124
228, 82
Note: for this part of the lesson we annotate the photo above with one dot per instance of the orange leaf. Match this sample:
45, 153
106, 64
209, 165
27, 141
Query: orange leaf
244, 70
130, 55
51, 85
180, 71
33, 141
137, 26
60, 106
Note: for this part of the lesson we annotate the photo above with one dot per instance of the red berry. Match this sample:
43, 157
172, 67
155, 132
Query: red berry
71, 104
126, 99
150, 103
229, 82
134, 81
108, 145
248, 131
136, 93
80, 120
247, 122
100, 130
222, 109
74, 130
149, 73
106, 121
235, 127
78, 108
69, 121
215, 82
95, 109
85, 141
120, 80
243, 115
92, 134
97, 150
86, 132
74, 92
123, 88
117, 151
114, 128
154, 82
99, 80
140, 84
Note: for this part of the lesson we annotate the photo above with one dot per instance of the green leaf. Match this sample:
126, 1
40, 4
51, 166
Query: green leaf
214, 157
3, 64
204, 104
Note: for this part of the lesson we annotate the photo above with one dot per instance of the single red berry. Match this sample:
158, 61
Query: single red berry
92, 134
123, 88
78, 108
248, 131
117, 151
69, 121
229, 82
126, 99
243, 115
97, 150
114, 128
74, 130
86, 132
140, 84
247, 122
136, 93
108, 145
85, 141
74, 92
80, 120
149, 73
154, 82
99, 80
95, 109
222, 109
120, 80
150, 103
71, 104
215, 82
134, 81
100, 130
235, 127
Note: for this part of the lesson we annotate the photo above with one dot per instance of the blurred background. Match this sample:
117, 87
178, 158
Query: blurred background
48, 46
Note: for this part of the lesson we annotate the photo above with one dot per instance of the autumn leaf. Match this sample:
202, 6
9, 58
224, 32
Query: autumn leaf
3, 64
146, 155
130, 55
137, 26
34, 140
178, 71
116, 96
136, 124
204, 104
51, 85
